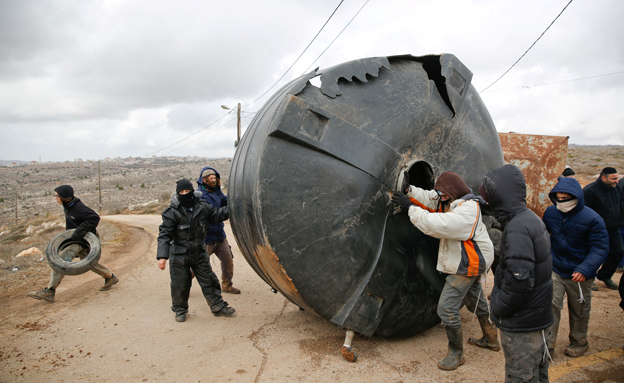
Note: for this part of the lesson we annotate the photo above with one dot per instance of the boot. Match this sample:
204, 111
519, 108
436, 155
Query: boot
455, 356
490, 338
109, 282
227, 311
45, 294
227, 272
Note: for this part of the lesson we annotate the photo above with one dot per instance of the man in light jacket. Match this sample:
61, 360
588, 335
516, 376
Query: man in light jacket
452, 214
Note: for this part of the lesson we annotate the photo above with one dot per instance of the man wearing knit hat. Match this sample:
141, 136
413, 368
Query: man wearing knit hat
606, 198
82, 218
180, 240
209, 184
452, 214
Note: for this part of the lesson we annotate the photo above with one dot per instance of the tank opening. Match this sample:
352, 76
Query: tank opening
421, 175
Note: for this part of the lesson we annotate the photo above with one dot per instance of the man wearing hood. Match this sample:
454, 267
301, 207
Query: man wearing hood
606, 198
522, 296
209, 183
579, 244
181, 241
452, 214
82, 218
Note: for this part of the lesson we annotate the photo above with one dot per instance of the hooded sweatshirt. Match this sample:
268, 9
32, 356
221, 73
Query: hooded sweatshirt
578, 238
465, 246
522, 295
215, 233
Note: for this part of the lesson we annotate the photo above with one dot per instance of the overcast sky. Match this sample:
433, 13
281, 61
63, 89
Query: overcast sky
93, 79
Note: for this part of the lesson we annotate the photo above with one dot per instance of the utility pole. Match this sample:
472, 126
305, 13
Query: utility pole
238, 125
16, 207
100, 185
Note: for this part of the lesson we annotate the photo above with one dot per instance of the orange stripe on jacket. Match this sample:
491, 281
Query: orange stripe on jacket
473, 259
420, 205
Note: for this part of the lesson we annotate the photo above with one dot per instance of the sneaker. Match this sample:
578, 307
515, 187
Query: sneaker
109, 282
576, 351
231, 290
180, 317
227, 311
45, 294
610, 284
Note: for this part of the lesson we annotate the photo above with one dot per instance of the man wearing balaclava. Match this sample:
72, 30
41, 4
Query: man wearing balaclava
181, 241
209, 184
452, 214
83, 219
579, 245
606, 198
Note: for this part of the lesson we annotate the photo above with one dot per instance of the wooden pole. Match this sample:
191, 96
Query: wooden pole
238, 126
16, 207
100, 185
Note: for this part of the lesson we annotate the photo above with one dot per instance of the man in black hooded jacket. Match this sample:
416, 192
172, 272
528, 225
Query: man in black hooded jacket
82, 218
606, 198
522, 295
181, 241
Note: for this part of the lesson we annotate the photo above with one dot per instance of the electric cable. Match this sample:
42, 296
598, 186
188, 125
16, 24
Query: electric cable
304, 51
527, 51
330, 44
556, 82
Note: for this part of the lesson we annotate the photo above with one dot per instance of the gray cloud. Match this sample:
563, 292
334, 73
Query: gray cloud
95, 79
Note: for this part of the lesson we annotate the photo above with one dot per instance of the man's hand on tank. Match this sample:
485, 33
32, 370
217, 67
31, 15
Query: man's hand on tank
403, 201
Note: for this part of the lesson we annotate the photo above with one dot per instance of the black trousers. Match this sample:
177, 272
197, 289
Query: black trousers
616, 251
180, 267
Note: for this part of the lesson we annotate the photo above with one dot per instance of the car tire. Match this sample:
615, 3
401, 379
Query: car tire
62, 240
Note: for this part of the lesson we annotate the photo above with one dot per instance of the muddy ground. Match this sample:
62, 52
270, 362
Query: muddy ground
129, 333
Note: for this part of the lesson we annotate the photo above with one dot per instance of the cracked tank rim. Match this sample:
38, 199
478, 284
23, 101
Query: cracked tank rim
310, 182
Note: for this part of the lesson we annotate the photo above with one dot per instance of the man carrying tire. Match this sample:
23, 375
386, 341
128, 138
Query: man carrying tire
82, 218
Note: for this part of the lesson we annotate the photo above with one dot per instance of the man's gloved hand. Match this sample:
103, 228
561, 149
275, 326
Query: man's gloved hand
402, 200
405, 183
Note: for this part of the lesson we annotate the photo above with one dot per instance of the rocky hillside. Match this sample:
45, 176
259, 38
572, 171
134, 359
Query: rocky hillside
127, 184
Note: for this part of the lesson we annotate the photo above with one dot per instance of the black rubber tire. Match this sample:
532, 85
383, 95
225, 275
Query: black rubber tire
62, 240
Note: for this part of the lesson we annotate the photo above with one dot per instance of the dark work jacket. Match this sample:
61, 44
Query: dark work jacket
522, 295
183, 229
578, 238
215, 232
80, 217
607, 202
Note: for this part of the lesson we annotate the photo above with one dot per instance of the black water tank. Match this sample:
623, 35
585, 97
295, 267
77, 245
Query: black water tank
309, 186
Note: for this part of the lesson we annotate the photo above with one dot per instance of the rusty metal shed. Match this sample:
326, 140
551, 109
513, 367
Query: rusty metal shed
541, 158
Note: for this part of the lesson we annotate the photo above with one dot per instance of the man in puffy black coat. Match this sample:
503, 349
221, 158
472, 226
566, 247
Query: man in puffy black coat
606, 198
181, 240
522, 295
580, 244
82, 218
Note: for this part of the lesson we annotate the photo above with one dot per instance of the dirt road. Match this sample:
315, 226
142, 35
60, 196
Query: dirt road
129, 334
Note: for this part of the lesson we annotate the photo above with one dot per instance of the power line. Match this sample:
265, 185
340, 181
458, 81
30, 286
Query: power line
557, 82
330, 44
187, 137
293, 64
527, 51
200, 137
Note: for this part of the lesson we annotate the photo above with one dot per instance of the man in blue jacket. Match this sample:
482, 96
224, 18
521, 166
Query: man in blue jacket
579, 244
209, 183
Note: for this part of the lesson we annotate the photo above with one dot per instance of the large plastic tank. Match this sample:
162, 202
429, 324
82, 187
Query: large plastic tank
308, 190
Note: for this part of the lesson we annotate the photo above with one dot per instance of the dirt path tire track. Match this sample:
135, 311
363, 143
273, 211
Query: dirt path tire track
129, 334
